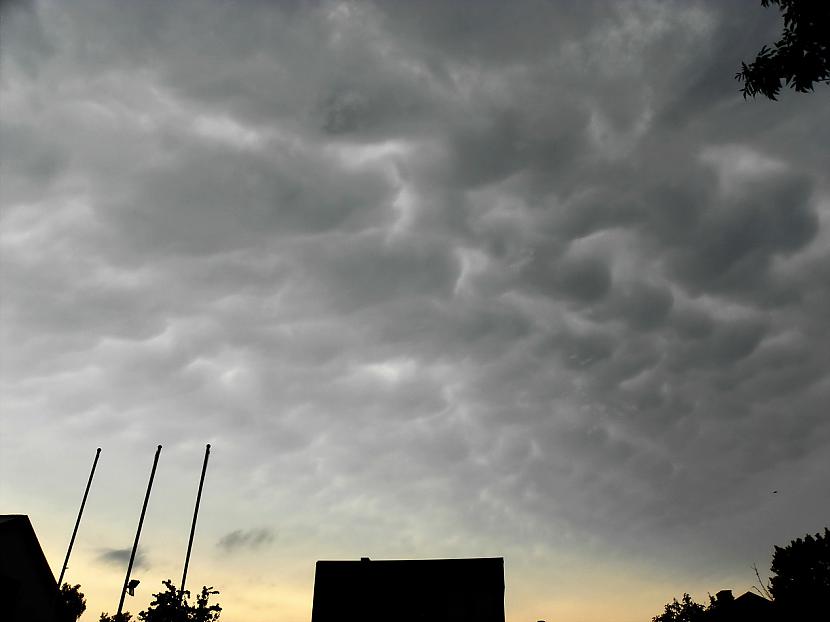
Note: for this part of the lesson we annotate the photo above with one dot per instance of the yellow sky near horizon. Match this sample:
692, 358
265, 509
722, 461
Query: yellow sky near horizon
273, 588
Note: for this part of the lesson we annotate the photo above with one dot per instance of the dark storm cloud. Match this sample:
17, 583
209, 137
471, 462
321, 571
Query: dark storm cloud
538, 264
121, 557
252, 539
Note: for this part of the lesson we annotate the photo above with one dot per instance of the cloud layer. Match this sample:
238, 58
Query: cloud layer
534, 271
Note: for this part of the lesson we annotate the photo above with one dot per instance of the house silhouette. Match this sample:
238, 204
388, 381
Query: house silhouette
748, 607
28, 591
424, 590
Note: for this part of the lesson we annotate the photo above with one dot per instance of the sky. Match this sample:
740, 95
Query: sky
434, 279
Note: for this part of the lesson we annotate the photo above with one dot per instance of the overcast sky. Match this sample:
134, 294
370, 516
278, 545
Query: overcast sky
436, 279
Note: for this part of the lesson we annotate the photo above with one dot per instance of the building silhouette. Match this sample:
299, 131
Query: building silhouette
748, 607
425, 590
28, 591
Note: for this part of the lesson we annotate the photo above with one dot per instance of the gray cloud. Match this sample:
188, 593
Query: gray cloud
121, 557
539, 268
253, 539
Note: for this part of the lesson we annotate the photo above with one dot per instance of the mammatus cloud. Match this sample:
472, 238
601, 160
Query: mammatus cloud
534, 274
121, 557
253, 539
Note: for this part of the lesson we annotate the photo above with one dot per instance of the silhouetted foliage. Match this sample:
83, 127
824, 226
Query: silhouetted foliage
73, 601
170, 605
799, 587
167, 606
799, 59
719, 605
124, 617
801, 575
761, 589
203, 612
686, 610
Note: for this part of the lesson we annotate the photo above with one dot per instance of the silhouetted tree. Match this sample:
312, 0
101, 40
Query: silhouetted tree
799, 586
167, 606
203, 612
170, 605
686, 610
800, 581
73, 601
124, 617
799, 59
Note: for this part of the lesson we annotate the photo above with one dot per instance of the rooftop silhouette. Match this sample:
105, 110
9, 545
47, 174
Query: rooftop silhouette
28, 589
748, 607
438, 590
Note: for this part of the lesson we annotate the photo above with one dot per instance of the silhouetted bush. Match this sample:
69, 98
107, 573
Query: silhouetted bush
685, 610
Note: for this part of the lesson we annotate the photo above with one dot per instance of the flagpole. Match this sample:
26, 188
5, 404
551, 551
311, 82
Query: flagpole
195, 514
78, 520
138, 534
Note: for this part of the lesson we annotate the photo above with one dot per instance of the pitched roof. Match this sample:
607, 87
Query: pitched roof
748, 607
26, 581
438, 590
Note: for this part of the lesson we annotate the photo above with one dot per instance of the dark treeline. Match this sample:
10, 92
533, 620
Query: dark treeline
798, 589
168, 605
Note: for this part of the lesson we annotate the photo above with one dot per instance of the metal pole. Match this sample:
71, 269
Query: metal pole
78, 520
195, 514
137, 534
